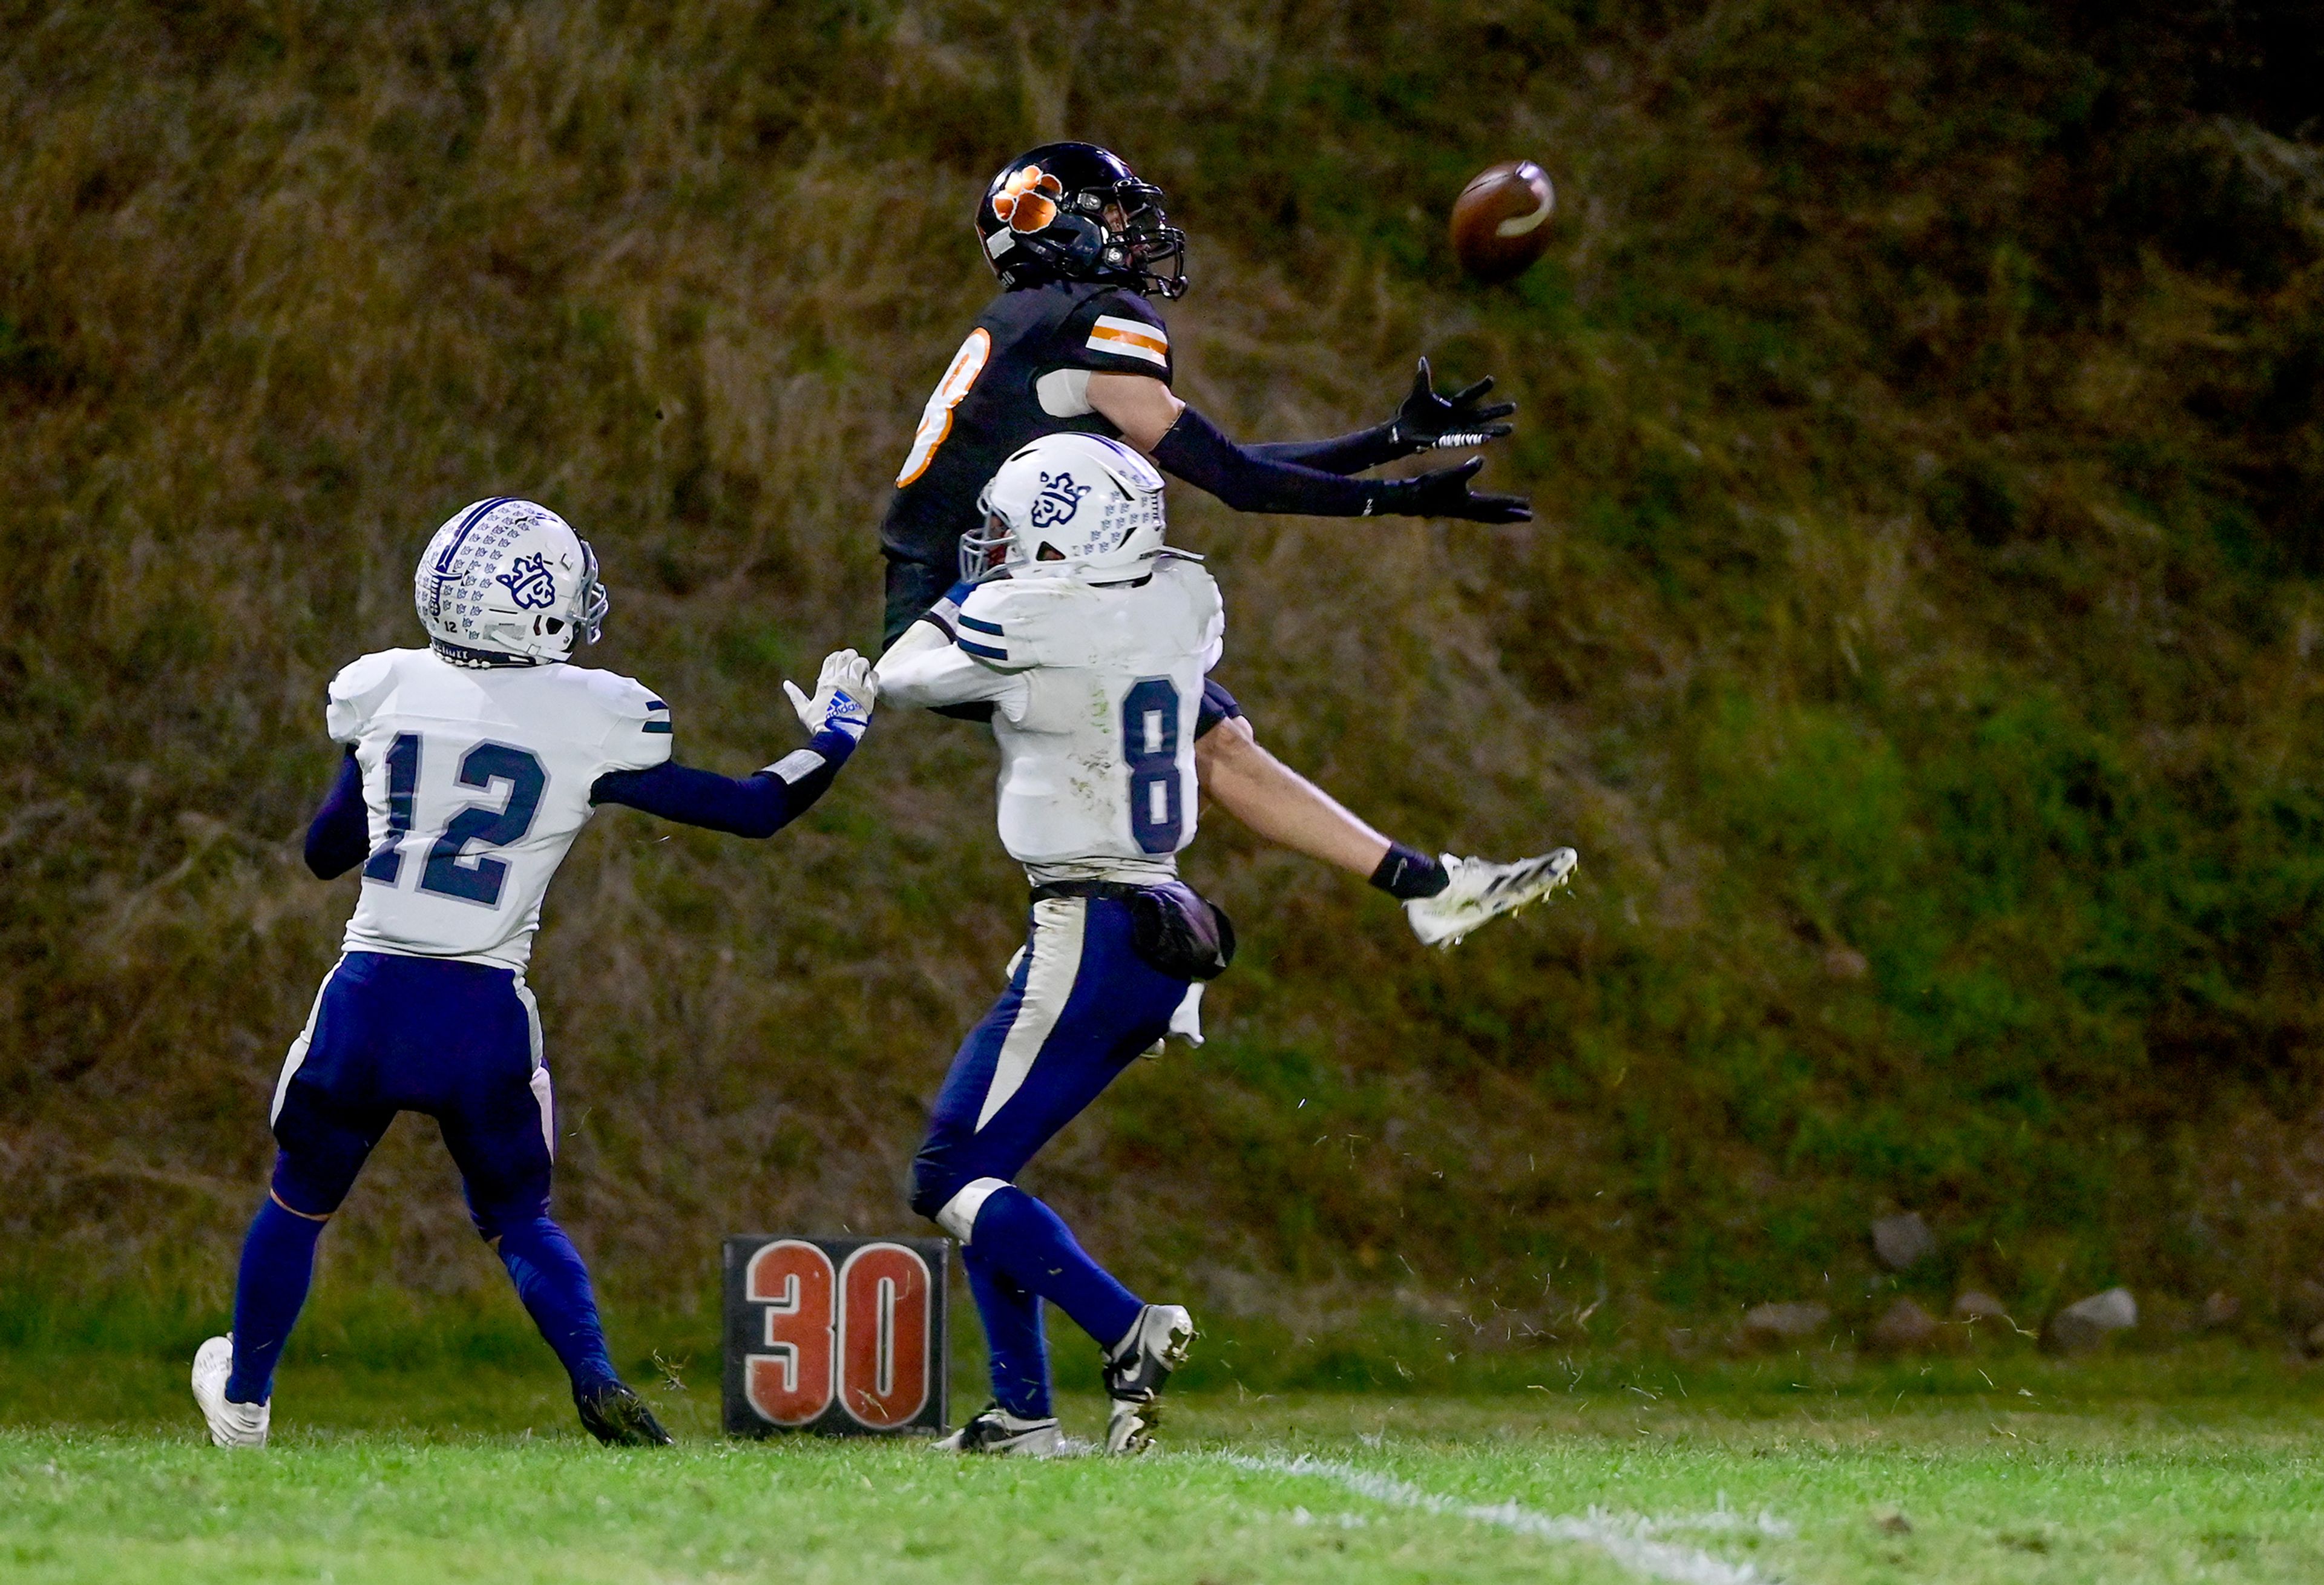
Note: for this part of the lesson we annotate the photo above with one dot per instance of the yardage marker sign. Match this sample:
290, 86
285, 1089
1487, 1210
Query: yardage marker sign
1629, 1541
842, 1336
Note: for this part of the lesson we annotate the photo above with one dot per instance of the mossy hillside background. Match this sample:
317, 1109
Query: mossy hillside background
1917, 636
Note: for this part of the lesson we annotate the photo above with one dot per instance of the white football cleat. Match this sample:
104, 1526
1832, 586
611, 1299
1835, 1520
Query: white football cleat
995, 1430
1134, 1374
231, 1425
1481, 890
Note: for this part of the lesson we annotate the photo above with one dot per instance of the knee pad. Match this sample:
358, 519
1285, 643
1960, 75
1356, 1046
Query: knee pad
311, 1184
956, 1214
933, 1183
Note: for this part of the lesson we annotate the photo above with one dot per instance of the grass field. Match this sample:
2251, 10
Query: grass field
2200, 1466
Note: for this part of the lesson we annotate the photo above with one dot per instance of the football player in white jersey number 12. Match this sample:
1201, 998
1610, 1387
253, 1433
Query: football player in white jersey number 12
470, 768
1090, 641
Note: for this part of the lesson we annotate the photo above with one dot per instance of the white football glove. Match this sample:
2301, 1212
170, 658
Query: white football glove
843, 696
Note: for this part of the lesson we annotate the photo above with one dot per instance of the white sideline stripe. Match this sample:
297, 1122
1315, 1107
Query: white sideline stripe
1627, 1540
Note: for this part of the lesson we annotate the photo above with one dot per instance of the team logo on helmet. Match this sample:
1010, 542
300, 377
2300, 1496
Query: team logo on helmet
529, 583
1059, 499
1027, 200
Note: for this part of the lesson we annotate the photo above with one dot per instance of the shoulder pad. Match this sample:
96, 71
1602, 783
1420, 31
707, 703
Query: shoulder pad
357, 691
358, 680
624, 697
1193, 579
1121, 330
1206, 609
1123, 303
1011, 623
636, 734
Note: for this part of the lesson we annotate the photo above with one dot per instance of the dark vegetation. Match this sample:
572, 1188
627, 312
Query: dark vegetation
1919, 638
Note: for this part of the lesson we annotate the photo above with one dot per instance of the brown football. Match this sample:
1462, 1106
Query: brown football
1500, 221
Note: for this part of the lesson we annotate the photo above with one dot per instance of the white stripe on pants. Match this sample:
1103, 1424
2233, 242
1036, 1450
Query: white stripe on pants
1059, 923
297, 1058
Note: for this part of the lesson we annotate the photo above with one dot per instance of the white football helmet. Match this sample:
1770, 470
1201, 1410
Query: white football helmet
506, 581
1074, 504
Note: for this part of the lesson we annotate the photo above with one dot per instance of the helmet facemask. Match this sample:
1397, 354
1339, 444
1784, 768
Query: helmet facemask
984, 552
593, 604
1140, 238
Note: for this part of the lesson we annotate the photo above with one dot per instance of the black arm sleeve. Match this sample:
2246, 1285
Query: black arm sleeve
1196, 451
1343, 453
759, 804
340, 833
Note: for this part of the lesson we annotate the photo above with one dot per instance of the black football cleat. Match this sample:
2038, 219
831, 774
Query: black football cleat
997, 1430
616, 1416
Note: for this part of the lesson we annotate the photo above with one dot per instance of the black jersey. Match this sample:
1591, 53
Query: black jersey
991, 402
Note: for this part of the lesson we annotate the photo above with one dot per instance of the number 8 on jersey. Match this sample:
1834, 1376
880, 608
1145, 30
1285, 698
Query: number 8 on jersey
935, 419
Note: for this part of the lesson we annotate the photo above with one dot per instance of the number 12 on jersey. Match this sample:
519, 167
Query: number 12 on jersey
1150, 744
450, 872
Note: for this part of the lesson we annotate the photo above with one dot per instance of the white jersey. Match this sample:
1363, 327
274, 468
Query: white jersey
1096, 689
476, 781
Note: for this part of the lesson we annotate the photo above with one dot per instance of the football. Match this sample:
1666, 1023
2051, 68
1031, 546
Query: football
1500, 221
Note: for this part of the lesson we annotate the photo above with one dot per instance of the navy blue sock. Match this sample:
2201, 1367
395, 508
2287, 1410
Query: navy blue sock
555, 1287
1012, 1336
1025, 1240
1406, 873
278, 1263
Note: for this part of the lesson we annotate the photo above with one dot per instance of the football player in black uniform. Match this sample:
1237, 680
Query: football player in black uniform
1074, 342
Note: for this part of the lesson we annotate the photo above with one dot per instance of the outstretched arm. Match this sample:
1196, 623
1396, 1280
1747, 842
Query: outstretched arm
759, 804
1279, 804
1153, 419
1427, 421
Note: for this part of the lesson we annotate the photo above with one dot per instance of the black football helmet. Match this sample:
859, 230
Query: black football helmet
1075, 212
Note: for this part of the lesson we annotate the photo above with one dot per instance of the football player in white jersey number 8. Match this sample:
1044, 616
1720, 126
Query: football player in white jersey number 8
470, 768
1090, 641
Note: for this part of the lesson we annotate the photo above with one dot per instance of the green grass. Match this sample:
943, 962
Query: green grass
2206, 1464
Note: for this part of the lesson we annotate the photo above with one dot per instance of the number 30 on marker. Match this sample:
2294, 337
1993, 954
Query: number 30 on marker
859, 1333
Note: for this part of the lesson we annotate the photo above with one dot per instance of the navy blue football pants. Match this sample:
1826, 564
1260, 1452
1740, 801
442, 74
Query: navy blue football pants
461, 1043
1080, 1008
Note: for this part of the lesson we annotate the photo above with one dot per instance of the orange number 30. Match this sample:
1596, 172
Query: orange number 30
935, 419
860, 1334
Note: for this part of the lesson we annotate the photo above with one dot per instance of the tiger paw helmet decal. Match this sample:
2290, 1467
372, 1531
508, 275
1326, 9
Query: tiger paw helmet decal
1027, 200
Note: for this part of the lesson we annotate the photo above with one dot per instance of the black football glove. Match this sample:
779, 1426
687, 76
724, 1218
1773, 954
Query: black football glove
1429, 422
1445, 493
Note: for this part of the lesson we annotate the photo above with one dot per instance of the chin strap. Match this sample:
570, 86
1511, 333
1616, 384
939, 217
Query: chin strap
478, 660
